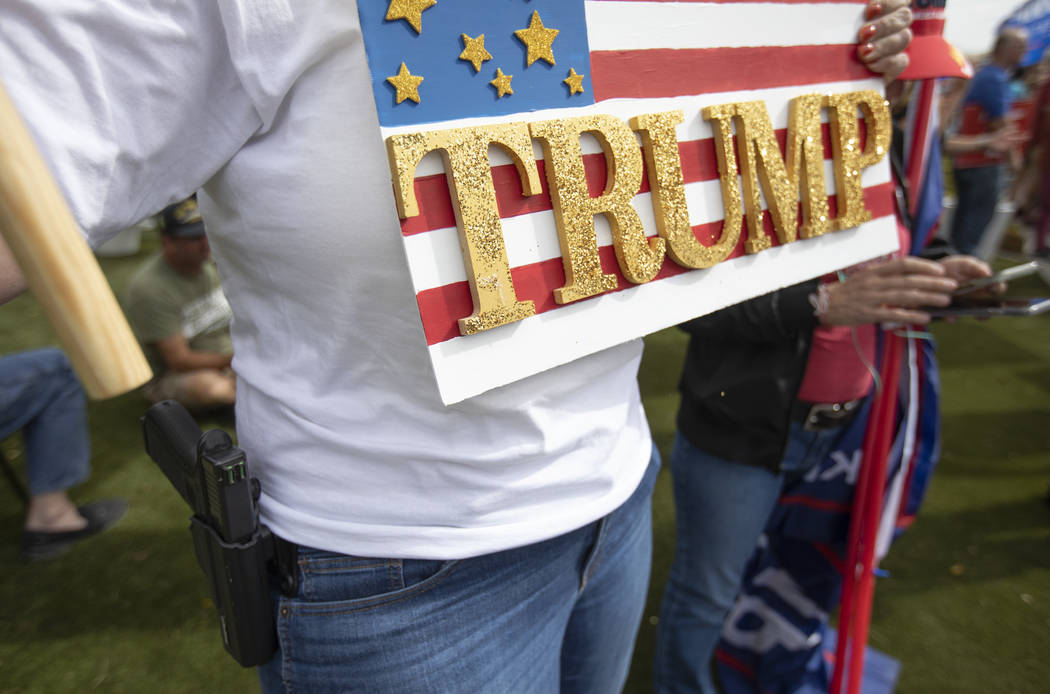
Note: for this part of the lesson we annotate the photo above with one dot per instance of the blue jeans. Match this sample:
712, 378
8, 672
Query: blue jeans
40, 394
559, 615
721, 509
978, 193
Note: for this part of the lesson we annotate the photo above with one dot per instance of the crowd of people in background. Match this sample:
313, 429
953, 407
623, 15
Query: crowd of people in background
997, 136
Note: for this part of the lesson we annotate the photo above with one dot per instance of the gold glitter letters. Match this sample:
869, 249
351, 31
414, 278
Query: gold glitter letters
805, 163
474, 200
667, 187
766, 170
721, 122
784, 180
845, 145
574, 208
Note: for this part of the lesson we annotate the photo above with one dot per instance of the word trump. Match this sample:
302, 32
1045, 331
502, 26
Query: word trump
750, 165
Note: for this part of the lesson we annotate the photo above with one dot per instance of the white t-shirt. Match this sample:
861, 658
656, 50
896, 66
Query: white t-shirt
267, 105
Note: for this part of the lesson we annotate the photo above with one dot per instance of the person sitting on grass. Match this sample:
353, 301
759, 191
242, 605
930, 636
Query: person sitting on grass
179, 314
41, 397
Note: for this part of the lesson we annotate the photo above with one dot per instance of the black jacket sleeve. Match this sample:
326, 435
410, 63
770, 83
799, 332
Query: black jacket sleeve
770, 318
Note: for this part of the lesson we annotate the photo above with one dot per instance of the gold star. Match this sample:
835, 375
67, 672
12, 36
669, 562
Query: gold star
574, 81
502, 84
538, 39
409, 10
474, 51
406, 84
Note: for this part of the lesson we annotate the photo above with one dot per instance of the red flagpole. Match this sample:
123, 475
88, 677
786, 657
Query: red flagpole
858, 582
922, 127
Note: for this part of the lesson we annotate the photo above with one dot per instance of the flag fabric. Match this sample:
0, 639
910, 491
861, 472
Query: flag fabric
922, 158
776, 638
467, 63
791, 588
925, 181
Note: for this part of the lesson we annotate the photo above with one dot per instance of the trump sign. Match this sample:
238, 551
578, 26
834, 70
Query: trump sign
572, 174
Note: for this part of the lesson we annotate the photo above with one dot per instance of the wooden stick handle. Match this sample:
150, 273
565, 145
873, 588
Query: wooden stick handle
60, 269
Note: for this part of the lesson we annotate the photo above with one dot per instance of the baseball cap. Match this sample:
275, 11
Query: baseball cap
182, 220
930, 54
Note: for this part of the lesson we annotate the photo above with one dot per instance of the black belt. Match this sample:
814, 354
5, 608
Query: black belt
286, 565
823, 415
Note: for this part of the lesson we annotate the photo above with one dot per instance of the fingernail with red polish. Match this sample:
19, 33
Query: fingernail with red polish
873, 10
866, 32
865, 50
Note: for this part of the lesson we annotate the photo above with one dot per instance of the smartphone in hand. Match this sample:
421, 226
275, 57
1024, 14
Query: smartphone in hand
1010, 273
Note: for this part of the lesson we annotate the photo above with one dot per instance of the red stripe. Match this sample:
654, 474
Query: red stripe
813, 502
905, 521
441, 307
837, 562
922, 130
928, 27
667, 72
740, 666
435, 201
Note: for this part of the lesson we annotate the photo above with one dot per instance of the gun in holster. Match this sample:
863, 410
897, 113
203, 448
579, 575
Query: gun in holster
233, 549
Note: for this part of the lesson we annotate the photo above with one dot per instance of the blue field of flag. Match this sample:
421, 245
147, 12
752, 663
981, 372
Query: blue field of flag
450, 87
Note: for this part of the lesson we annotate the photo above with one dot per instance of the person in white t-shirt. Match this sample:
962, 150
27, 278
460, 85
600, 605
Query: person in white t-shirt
501, 544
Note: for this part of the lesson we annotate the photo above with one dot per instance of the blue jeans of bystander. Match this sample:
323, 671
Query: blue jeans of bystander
40, 394
978, 193
721, 508
556, 616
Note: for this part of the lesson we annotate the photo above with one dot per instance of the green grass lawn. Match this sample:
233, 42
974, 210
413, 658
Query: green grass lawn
966, 608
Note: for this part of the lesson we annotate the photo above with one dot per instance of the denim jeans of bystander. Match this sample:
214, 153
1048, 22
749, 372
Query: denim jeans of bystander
40, 394
978, 191
721, 508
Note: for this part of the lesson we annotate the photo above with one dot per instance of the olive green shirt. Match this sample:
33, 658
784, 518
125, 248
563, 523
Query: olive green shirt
160, 303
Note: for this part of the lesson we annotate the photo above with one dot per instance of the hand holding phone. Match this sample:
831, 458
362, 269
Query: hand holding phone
1010, 273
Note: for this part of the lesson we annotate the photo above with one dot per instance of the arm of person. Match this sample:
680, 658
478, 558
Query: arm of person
1004, 139
768, 318
889, 291
179, 357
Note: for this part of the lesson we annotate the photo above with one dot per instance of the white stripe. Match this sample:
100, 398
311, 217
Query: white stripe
618, 26
466, 366
892, 505
694, 128
435, 260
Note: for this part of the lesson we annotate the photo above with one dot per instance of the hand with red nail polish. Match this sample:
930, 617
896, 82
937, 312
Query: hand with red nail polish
884, 37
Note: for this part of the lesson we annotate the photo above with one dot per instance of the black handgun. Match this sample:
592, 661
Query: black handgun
232, 547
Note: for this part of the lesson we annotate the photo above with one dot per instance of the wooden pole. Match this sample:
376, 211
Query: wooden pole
60, 269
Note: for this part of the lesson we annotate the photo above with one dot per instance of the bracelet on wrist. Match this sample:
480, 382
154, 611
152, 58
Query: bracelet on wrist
820, 300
